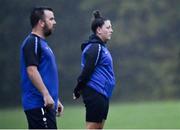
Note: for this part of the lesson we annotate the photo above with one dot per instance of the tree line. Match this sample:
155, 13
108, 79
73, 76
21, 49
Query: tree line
144, 45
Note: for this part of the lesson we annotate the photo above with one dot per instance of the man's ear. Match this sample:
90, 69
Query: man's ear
41, 23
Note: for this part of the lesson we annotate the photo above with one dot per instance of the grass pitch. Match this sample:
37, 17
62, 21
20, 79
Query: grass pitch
147, 115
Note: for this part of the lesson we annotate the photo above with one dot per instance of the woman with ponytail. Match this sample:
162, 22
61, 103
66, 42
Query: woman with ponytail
97, 80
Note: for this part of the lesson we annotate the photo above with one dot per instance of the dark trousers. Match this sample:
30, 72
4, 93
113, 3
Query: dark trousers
41, 118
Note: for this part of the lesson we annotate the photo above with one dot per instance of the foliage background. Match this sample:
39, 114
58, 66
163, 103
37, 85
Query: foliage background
145, 46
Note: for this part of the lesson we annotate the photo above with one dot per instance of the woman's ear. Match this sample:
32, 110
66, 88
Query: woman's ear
98, 30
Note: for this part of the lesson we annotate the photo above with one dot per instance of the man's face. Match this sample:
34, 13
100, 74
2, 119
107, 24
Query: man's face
105, 31
49, 22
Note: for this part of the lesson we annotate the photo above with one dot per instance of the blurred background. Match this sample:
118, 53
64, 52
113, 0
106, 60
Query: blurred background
145, 47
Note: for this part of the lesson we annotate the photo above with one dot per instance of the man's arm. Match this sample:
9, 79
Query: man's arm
36, 79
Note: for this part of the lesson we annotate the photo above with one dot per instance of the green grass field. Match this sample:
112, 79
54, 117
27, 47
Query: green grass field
148, 115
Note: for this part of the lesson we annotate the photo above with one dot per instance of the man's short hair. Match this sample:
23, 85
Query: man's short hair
37, 14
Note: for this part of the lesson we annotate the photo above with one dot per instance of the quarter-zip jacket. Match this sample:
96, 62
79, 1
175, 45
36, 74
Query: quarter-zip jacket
97, 66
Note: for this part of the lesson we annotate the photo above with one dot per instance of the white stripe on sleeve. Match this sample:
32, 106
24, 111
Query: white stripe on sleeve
36, 45
99, 50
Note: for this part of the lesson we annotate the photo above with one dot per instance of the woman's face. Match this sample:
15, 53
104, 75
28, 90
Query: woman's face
105, 31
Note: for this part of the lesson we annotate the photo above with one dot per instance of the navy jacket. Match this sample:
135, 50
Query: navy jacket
97, 66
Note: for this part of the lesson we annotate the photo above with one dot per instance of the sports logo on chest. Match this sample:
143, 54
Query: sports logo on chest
48, 49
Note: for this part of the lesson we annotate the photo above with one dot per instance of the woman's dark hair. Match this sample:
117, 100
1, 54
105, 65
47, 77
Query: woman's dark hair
37, 14
98, 21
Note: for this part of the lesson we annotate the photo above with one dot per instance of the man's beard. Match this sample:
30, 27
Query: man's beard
47, 31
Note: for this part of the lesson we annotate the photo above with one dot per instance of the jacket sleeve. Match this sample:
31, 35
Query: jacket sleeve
91, 58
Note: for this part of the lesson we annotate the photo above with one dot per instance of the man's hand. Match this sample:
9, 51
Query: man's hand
60, 109
48, 101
